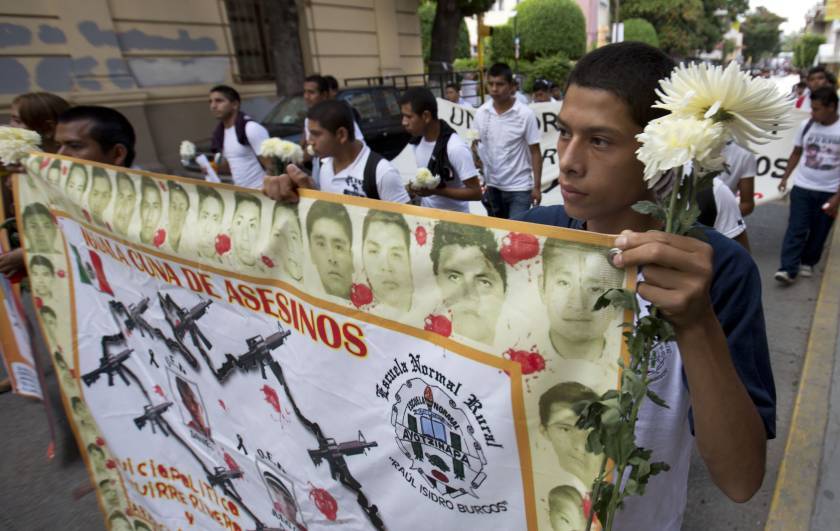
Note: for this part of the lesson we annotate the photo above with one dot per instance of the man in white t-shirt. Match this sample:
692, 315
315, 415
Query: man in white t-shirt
739, 175
347, 165
439, 148
816, 187
719, 208
237, 137
818, 77
509, 148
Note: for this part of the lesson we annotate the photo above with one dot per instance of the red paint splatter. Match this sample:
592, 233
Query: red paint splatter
87, 216
439, 324
360, 295
44, 163
222, 403
160, 237
162, 186
517, 246
267, 261
420, 235
190, 517
110, 464
72, 372
157, 389
270, 396
758, 195
324, 502
229, 461
100, 441
222, 244
64, 170
61, 273
531, 362
39, 302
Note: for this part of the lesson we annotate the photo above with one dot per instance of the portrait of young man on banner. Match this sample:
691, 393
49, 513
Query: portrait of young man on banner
330, 236
125, 204
386, 260
285, 241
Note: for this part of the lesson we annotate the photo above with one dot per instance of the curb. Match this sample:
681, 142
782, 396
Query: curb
794, 496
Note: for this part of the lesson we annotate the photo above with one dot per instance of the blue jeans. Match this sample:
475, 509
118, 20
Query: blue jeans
807, 229
501, 204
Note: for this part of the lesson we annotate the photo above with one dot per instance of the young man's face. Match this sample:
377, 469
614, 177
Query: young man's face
324, 143
572, 282
179, 205
500, 89
76, 183
286, 243
329, 245
822, 113
414, 124
120, 524
49, 321
566, 515
151, 208
245, 230
99, 196
569, 442
312, 94
600, 176
109, 493
210, 213
40, 233
221, 107
41, 280
54, 175
124, 206
74, 140
452, 94
817, 80
472, 289
192, 405
541, 96
387, 264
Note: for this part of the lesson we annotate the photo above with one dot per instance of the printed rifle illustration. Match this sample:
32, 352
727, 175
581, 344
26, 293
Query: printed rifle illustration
257, 355
152, 414
109, 365
221, 477
333, 453
134, 321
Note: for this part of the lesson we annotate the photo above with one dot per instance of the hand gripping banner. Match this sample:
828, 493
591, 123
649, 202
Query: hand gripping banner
229, 362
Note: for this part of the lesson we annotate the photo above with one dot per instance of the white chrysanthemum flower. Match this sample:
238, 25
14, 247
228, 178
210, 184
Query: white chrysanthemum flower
424, 180
187, 150
472, 135
281, 149
672, 141
310, 149
16, 143
270, 147
750, 108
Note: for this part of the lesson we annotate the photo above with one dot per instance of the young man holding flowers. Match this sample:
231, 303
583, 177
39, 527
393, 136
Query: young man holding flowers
715, 376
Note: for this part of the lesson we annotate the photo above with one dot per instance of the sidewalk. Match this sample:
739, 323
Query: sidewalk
809, 475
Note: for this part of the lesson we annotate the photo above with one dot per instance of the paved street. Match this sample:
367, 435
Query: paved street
36, 494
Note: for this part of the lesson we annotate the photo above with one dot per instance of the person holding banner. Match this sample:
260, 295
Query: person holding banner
439, 148
715, 376
509, 148
97, 134
815, 195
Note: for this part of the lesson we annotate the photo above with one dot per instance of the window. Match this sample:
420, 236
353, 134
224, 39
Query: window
249, 27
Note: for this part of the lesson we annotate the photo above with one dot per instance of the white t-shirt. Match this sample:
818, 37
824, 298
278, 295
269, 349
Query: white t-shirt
729, 221
460, 162
350, 180
245, 167
504, 147
819, 166
742, 164
316, 161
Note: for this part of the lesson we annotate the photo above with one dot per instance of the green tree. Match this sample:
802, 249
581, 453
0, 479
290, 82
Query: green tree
449, 15
805, 49
286, 51
548, 27
426, 12
761, 33
554, 68
639, 29
501, 46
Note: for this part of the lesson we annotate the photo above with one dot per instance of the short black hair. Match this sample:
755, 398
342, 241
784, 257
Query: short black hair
421, 100
453, 85
541, 84
383, 216
42, 261
291, 207
148, 182
73, 167
825, 95
333, 115
175, 187
501, 70
321, 81
100, 173
630, 70
332, 82
93, 447
205, 191
109, 127
243, 197
47, 310
326, 210
35, 209
819, 69
563, 393
230, 93
448, 233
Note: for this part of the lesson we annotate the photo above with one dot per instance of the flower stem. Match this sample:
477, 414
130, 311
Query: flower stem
595, 493
675, 190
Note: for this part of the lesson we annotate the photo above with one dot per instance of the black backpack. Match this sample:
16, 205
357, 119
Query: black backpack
439, 161
369, 182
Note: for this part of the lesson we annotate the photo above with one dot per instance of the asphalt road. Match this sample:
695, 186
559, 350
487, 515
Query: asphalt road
36, 493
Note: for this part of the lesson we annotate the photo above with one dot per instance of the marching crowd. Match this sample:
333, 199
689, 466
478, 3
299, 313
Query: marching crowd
717, 376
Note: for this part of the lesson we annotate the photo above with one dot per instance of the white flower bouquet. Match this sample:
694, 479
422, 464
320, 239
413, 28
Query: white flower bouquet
282, 151
187, 151
472, 135
424, 180
16, 143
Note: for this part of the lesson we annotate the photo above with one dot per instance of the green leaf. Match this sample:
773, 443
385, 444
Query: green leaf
656, 399
650, 208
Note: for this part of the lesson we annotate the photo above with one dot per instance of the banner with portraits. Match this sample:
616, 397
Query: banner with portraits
231, 362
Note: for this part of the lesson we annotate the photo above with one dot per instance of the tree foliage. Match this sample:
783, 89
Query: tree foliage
501, 47
553, 68
639, 29
446, 26
761, 33
805, 49
426, 12
548, 27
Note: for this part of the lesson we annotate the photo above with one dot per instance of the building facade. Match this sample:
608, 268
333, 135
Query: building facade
155, 60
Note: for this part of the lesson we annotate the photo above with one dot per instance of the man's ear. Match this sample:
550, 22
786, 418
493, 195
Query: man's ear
427, 117
342, 135
118, 154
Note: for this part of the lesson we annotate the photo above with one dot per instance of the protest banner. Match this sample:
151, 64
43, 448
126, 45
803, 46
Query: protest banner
231, 362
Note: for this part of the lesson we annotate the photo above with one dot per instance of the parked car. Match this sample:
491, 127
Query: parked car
378, 113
